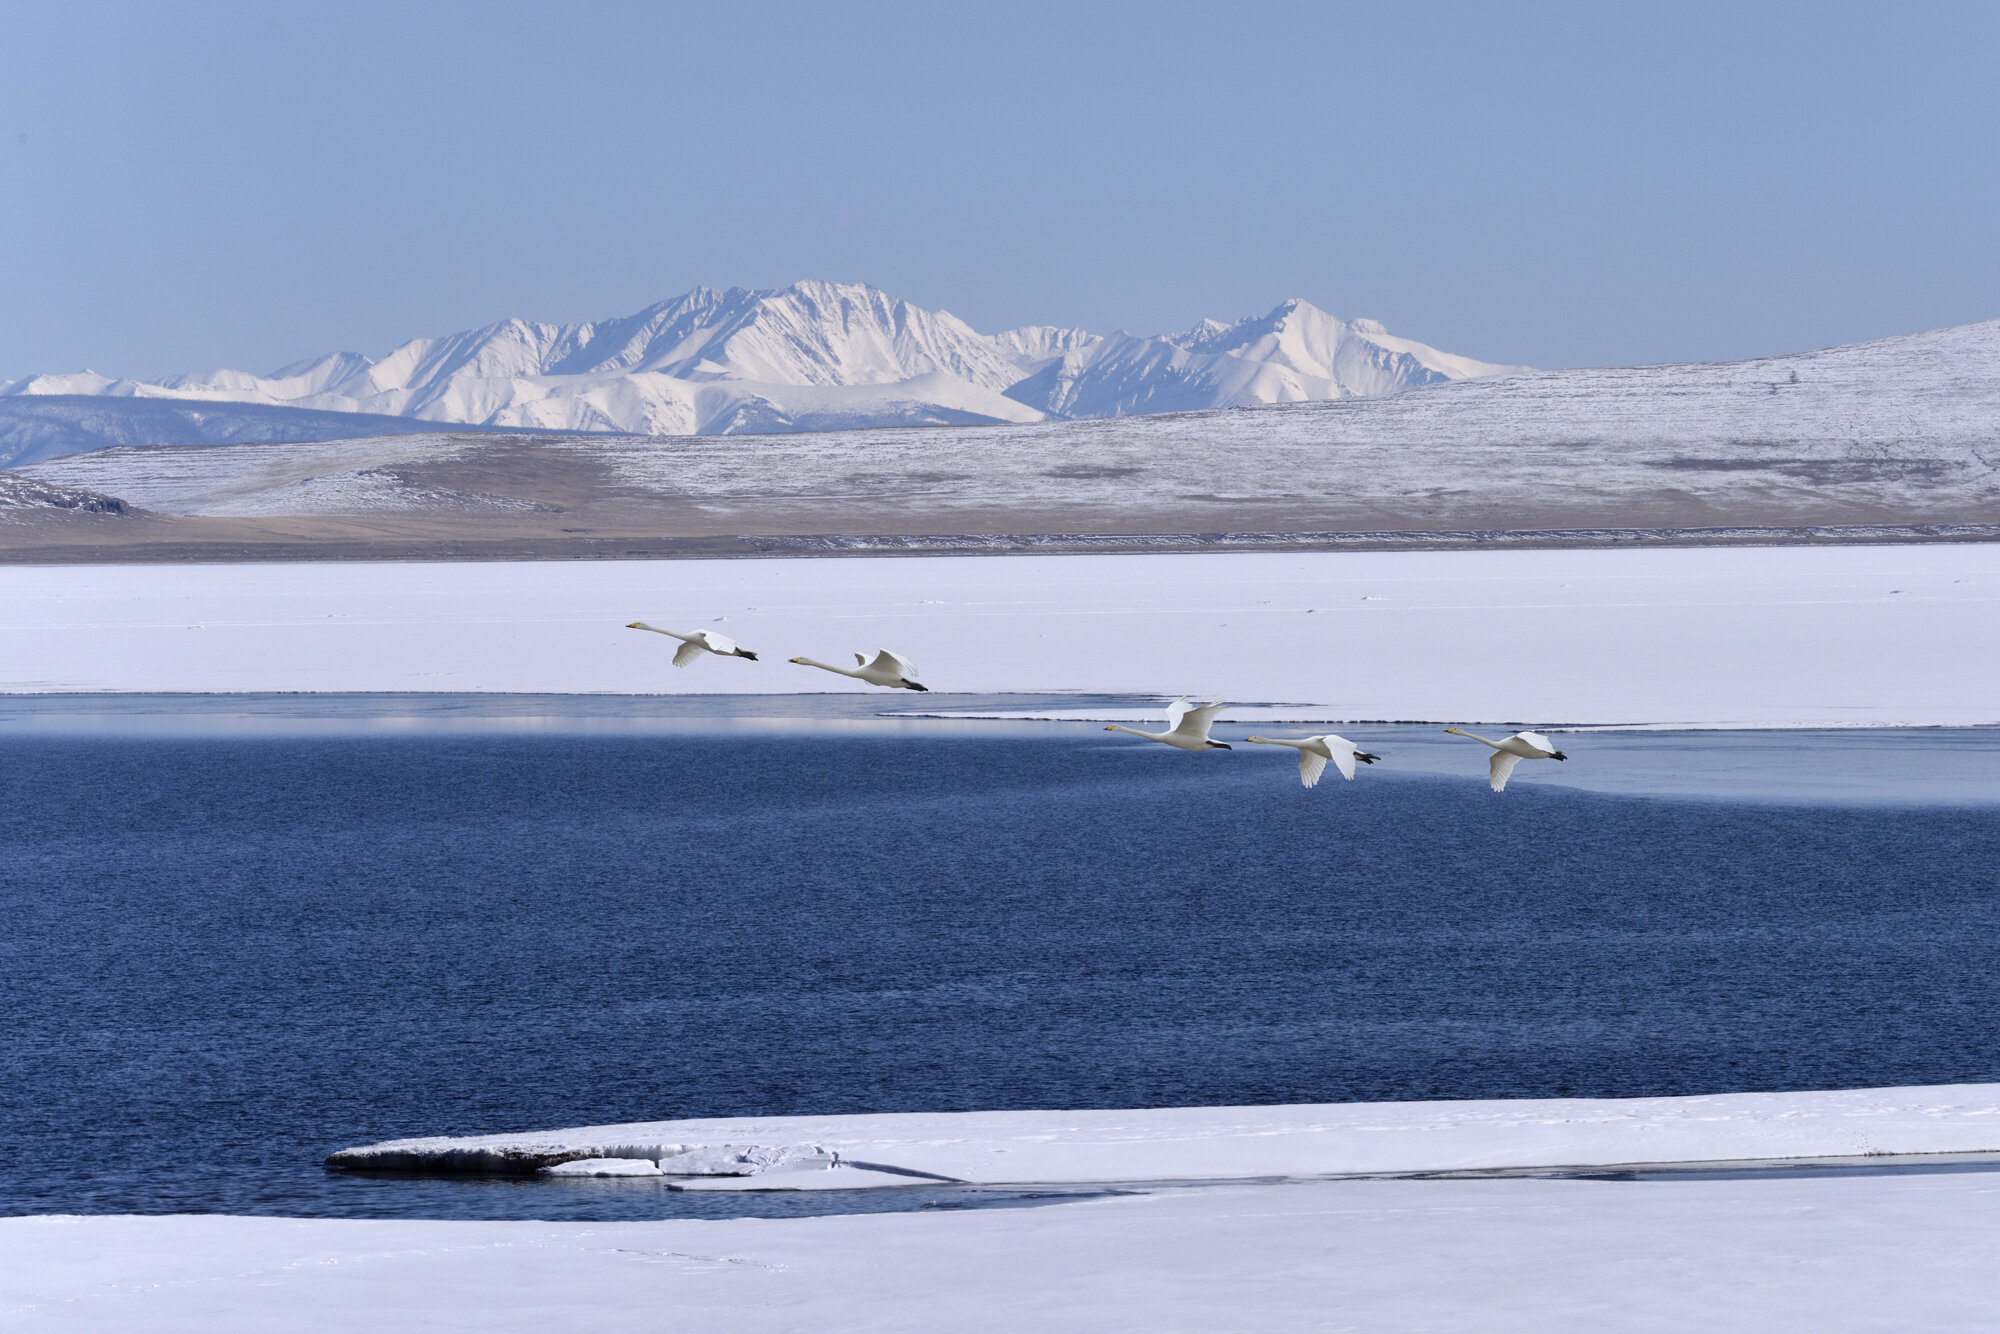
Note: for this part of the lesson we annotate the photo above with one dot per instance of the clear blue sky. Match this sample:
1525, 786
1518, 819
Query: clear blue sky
204, 185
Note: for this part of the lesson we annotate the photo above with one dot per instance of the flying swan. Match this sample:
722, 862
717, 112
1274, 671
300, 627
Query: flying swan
1315, 751
1508, 753
1187, 726
888, 669
695, 644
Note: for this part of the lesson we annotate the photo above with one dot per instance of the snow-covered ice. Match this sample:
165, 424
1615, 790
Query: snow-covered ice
1907, 1245
1218, 1143
1682, 637
1753, 1254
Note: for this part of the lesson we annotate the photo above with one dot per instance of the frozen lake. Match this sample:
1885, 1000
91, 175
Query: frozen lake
247, 931
1694, 637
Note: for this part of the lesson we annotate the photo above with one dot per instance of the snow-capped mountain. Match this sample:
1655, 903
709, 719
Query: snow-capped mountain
814, 356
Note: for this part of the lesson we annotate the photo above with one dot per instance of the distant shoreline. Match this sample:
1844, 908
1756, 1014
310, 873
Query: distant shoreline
92, 540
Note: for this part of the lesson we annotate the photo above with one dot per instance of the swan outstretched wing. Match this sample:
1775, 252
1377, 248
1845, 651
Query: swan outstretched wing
1311, 765
1537, 740
688, 652
1191, 721
885, 661
1342, 751
1500, 766
1176, 711
722, 644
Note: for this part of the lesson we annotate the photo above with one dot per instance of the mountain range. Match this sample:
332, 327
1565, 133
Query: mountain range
808, 357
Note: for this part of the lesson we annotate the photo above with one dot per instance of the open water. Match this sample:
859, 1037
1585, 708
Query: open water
226, 950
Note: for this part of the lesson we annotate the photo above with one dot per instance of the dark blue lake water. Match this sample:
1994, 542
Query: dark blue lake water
224, 956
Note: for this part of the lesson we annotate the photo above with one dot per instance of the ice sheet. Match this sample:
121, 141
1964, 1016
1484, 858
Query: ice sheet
1857, 1253
1209, 1143
1704, 637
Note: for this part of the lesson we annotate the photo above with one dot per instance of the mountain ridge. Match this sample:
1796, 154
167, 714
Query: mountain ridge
814, 355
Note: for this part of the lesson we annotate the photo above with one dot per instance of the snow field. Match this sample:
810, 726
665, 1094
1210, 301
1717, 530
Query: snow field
1548, 1256
1793, 636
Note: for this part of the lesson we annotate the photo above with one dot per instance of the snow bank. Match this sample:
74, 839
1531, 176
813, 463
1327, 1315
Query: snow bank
1832, 1254
1692, 637
1224, 1143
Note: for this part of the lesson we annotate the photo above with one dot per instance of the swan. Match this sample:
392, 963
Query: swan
888, 669
1510, 752
1187, 726
1315, 751
695, 644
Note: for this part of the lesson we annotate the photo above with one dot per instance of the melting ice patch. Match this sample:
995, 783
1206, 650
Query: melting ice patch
604, 1167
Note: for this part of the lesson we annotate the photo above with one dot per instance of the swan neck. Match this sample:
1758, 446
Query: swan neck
829, 667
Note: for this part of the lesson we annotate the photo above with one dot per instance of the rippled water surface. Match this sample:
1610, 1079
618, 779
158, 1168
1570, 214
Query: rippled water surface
228, 951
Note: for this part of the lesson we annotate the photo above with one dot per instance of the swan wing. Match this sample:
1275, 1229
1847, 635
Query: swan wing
895, 663
1311, 765
1500, 766
1342, 752
1537, 740
1177, 710
688, 652
722, 644
1194, 722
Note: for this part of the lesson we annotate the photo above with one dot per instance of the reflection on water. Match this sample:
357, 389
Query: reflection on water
1925, 766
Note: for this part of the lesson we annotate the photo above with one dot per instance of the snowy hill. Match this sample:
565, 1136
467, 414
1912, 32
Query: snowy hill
812, 356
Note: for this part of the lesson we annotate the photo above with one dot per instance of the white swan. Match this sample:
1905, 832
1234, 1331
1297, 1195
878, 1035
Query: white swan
697, 643
1187, 726
1510, 752
888, 669
1315, 751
